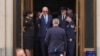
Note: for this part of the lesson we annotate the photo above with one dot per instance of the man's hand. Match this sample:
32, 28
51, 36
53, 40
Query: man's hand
38, 25
64, 53
41, 15
70, 39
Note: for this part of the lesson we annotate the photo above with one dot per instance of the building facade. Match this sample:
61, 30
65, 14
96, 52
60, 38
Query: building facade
11, 11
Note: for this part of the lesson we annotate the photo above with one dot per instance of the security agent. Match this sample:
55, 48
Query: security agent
28, 35
56, 40
62, 17
70, 13
70, 36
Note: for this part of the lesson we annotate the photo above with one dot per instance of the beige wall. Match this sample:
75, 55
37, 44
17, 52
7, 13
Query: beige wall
98, 27
2, 28
6, 27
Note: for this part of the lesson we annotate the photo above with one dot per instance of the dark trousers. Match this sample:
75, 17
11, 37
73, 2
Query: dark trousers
43, 47
55, 54
71, 48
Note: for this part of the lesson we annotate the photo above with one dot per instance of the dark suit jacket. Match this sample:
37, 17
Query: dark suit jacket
56, 38
70, 30
62, 23
43, 26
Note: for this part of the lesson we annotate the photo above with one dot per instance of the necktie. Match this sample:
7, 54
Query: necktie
46, 19
63, 17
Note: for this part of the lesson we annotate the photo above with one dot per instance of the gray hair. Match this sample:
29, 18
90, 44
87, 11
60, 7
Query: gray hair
56, 21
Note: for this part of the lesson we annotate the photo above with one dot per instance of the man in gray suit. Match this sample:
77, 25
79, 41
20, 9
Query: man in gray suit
56, 40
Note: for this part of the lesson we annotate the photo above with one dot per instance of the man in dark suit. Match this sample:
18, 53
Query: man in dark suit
71, 38
56, 40
70, 13
44, 23
62, 17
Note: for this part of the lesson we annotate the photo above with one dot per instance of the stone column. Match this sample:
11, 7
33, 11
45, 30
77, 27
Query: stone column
6, 27
98, 27
9, 27
2, 28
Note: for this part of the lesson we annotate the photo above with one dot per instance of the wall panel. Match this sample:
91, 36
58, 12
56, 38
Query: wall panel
6, 28
2, 28
98, 27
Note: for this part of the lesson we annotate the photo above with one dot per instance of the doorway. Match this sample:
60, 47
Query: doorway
80, 9
54, 5
54, 8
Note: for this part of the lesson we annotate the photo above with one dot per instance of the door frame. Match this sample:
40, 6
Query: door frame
82, 28
14, 23
81, 25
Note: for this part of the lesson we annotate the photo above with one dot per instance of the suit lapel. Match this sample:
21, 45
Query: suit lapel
43, 20
61, 18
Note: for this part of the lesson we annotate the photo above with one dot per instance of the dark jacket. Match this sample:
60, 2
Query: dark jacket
29, 31
62, 22
56, 40
43, 26
70, 30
